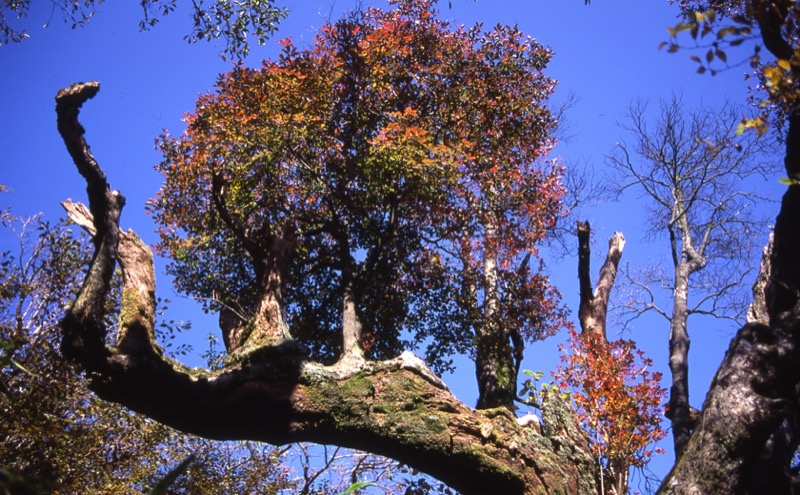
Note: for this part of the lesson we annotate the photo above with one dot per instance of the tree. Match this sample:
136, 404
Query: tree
746, 439
281, 212
54, 432
773, 24
696, 178
752, 396
269, 391
232, 21
618, 399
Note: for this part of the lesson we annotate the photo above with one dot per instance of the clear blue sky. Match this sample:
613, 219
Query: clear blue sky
606, 54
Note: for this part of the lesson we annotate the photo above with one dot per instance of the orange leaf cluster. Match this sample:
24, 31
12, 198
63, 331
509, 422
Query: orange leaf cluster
617, 398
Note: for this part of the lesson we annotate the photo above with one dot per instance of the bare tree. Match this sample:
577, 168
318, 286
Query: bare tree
693, 172
747, 435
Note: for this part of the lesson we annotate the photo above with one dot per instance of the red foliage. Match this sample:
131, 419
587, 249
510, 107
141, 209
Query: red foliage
381, 156
618, 399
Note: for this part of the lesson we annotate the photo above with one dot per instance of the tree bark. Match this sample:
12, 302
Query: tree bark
593, 309
753, 397
270, 252
396, 408
687, 261
758, 311
495, 366
750, 396
352, 351
679, 361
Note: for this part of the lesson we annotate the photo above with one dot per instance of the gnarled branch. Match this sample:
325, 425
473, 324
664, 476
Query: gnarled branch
396, 408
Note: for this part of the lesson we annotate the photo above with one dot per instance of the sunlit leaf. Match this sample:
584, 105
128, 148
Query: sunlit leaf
355, 487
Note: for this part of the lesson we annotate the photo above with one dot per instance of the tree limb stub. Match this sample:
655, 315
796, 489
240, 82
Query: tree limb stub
594, 304
396, 408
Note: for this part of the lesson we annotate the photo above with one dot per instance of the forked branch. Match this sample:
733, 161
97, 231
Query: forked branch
594, 304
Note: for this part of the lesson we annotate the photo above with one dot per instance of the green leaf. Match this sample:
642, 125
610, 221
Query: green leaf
358, 485
790, 181
726, 31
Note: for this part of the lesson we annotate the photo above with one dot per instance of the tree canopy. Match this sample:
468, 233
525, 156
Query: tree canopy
396, 152
391, 174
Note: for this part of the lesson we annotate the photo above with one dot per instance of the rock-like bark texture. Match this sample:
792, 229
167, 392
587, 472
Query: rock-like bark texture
748, 431
751, 395
396, 408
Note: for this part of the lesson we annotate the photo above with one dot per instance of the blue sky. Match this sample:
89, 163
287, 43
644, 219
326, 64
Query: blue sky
605, 54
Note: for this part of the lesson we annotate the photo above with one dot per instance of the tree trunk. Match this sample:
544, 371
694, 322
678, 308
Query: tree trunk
593, 307
679, 361
617, 474
495, 367
750, 396
352, 351
592, 315
753, 397
266, 327
396, 408
758, 311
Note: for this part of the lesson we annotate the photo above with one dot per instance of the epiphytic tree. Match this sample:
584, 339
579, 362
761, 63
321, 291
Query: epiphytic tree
358, 192
392, 174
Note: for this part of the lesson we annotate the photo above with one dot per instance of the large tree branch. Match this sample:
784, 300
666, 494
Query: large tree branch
396, 408
84, 331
